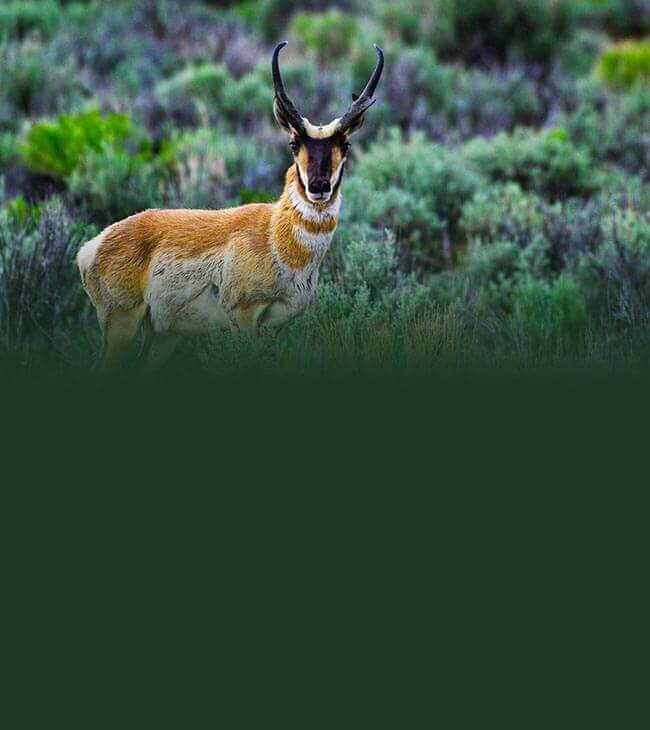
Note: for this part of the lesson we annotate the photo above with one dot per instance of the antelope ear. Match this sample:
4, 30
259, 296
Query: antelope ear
281, 118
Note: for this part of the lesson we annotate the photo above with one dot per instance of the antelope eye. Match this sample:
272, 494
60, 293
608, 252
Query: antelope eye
345, 148
294, 145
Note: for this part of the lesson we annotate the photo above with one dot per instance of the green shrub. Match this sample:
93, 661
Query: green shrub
8, 148
111, 184
476, 30
57, 148
578, 55
546, 162
414, 22
207, 82
625, 64
616, 273
615, 132
415, 188
18, 18
212, 87
40, 291
619, 18
270, 17
328, 35
482, 103
501, 212
545, 310
627, 141
36, 81
531, 30
426, 94
214, 168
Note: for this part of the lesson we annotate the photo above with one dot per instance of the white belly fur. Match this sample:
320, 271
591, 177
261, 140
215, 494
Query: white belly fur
184, 296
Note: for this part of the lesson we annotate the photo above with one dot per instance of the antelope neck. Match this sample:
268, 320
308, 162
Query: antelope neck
302, 230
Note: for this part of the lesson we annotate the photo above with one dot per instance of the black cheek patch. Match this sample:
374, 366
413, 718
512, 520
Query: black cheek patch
338, 182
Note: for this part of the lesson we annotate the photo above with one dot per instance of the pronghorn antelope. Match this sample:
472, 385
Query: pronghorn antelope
189, 271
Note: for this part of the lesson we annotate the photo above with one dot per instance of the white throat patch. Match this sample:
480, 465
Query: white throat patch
312, 212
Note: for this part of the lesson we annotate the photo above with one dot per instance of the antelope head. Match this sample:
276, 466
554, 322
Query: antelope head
320, 150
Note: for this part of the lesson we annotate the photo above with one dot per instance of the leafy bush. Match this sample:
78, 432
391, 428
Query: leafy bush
620, 18
40, 291
8, 148
616, 273
477, 31
112, 184
617, 134
207, 82
18, 18
214, 168
627, 139
328, 35
545, 162
426, 93
414, 188
502, 212
481, 103
625, 64
531, 30
543, 310
270, 17
57, 148
35, 81
212, 87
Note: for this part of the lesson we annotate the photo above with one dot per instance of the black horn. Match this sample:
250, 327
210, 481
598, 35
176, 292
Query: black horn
286, 105
360, 104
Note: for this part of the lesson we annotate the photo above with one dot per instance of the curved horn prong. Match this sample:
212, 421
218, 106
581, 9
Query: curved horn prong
288, 108
361, 103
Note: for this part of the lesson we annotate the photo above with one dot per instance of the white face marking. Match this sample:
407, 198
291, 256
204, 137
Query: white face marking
303, 177
321, 131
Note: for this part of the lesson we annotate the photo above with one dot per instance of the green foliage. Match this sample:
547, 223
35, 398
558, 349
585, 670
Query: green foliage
40, 293
329, 35
18, 18
545, 309
8, 148
207, 82
625, 64
501, 212
474, 30
478, 102
414, 188
616, 274
35, 81
619, 18
508, 218
617, 134
214, 168
57, 148
111, 184
546, 162
213, 88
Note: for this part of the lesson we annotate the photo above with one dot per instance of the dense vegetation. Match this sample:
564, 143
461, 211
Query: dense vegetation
496, 209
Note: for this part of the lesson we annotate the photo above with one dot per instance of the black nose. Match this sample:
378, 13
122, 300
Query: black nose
318, 187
